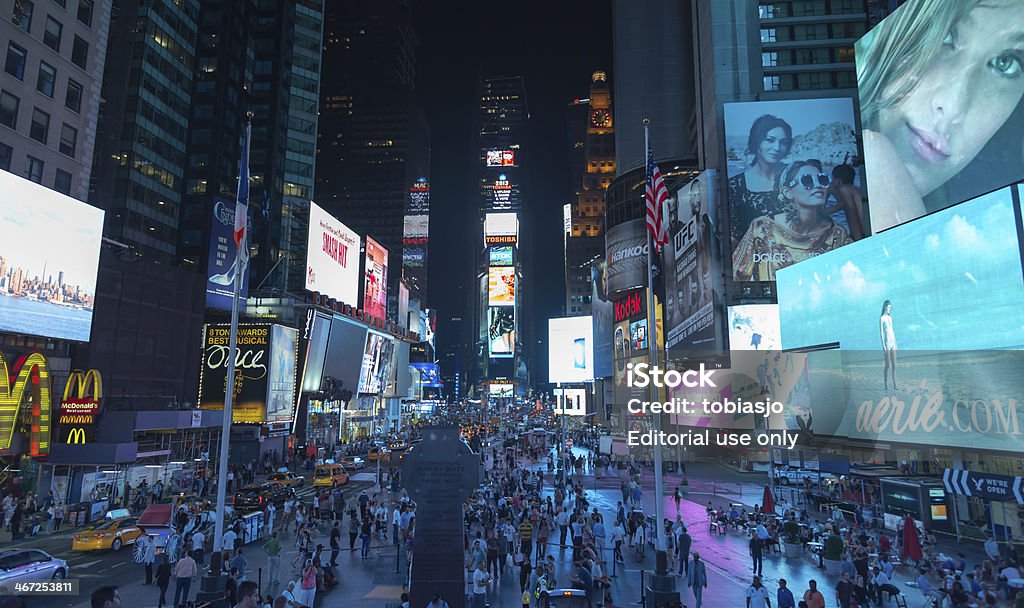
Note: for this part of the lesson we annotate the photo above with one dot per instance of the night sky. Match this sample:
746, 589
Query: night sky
555, 45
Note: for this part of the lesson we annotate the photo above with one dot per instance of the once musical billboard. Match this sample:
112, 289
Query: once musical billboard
49, 257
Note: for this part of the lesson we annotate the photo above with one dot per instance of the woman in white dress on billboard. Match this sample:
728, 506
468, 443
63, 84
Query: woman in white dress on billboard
888, 343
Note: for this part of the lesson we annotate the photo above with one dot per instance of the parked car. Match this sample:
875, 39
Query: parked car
287, 479
257, 497
353, 463
111, 534
27, 565
787, 475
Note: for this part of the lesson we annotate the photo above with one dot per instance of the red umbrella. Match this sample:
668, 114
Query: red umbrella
768, 501
911, 542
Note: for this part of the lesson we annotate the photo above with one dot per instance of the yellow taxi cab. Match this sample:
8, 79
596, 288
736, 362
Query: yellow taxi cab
290, 480
329, 475
376, 452
112, 534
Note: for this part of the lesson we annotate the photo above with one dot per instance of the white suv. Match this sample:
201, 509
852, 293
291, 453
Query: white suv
787, 475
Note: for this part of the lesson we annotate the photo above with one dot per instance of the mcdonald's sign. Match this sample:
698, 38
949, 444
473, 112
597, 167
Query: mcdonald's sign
29, 388
80, 406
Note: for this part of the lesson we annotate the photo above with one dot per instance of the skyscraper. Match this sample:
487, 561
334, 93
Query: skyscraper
373, 140
585, 240
50, 92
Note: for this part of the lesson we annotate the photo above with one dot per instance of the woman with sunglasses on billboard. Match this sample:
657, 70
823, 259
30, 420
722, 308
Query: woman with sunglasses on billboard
937, 80
799, 230
754, 193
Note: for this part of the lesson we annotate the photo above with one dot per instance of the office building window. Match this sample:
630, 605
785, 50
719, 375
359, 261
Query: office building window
40, 128
68, 140
6, 152
768, 34
62, 182
47, 79
85, 11
771, 83
52, 33
769, 60
80, 52
844, 54
34, 169
15, 65
846, 79
61, 3
807, 8
21, 16
814, 80
73, 98
9, 109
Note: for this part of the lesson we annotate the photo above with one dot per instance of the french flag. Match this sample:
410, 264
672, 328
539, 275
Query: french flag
242, 198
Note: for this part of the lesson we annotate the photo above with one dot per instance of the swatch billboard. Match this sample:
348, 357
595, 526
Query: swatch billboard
782, 158
940, 91
49, 257
375, 280
332, 257
694, 288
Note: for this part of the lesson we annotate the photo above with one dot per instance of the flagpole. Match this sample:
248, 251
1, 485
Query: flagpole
652, 354
229, 386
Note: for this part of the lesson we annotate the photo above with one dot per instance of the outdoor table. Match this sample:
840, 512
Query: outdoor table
819, 550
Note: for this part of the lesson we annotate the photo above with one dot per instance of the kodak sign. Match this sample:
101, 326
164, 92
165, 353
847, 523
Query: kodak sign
81, 405
25, 395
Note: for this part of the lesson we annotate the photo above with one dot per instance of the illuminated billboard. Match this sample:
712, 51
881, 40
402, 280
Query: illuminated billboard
602, 309
264, 371
375, 280
693, 269
376, 356
783, 207
626, 254
49, 256
332, 257
429, 374
502, 390
570, 402
222, 257
501, 286
754, 327
501, 331
937, 283
415, 226
940, 87
500, 158
501, 228
500, 256
571, 349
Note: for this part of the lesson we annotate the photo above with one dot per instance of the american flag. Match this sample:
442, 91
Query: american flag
656, 194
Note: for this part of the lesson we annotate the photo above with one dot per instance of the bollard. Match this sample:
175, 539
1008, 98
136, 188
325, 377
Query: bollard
259, 579
643, 594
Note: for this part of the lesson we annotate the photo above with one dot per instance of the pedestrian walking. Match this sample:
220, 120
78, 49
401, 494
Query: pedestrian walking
757, 554
812, 596
785, 596
335, 543
163, 579
148, 549
757, 595
697, 579
184, 571
683, 545
272, 548
269, 517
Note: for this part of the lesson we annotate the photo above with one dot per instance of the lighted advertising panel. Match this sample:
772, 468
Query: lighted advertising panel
504, 194
783, 208
603, 310
501, 286
344, 360
316, 335
501, 228
570, 402
375, 280
626, 253
693, 270
419, 197
500, 256
500, 158
429, 374
415, 226
754, 327
375, 356
332, 257
570, 349
501, 331
940, 90
49, 255
222, 258
501, 390
264, 371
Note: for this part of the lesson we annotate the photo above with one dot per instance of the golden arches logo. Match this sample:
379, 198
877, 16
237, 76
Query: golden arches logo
83, 381
76, 435
32, 371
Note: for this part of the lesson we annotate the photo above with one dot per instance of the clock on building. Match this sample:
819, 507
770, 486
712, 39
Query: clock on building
601, 118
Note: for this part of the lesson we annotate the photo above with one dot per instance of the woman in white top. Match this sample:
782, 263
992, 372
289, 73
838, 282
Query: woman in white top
888, 343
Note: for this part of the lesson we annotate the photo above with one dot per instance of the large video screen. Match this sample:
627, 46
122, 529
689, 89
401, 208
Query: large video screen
49, 256
375, 280
375, 356
501, 158
571, 349
500, 256
785, 203
693, 269
940, 91
602, 309
501, 331
344, 360
429, 374
501, 286
281, 385
222, 257
754, 327
933, 284
332, 257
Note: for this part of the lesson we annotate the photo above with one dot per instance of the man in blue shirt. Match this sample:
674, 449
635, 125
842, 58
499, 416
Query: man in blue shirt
582, 579
785, 596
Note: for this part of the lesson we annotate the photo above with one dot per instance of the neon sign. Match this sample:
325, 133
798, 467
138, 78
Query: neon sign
81, 404
33, 378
